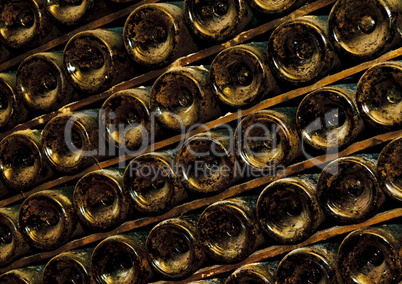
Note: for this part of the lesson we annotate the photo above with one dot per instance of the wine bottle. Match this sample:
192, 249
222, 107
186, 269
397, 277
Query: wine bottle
268, 139
299, 51
209, 281
47, 219
97, 60
156, 34
288, 209
151, 183
379, 97
365, 29
206, 163
12, 111
273, 7
121, 259
328, 118
349, 190
4, 190
128, 119
228, 229
174, 249
5, 53
71, 141
372, 255
99, 201
315, 264
241, 77
24, 23
12, 243
22, 161
42, 84
69, 267
390, 168
217, 20
262, 272
70, 12
182, 97
26, 275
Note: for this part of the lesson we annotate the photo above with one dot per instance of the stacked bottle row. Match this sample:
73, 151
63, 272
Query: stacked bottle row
174, 250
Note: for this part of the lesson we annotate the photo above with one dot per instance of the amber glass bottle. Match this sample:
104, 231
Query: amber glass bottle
26, 275
241, 77
96, 60
174, 249
229, 230
349, 190
151, 183
128, 119
288, 209
379, 95
255, 273
69, 12
47, 219
390, 169
206, 162
365, 29
315, 264
22, 161
372, 255
12, 243
42, 84
182, 97
71, 141
300, 52
328, 118
268, 139
156, 34
276, 7
12, 111
121, 259
217, 20
99, 201
69, 267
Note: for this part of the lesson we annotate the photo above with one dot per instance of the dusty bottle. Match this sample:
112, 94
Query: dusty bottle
258, 273
12, 243
299, 51
209, 281
349, 190
228, 229
22, 161
276, 7
206, 163
4, 190
70, 12
69, 267
174, 249
241, 76
365, 29
12, 111
217, 20
390, 169
151, 183
121, 259
26, 275
182, 97
42, 84
315, 264
328, 118
47, 219
288, 209
24, 23
71, 141
99, 201
5, 53
156, 34
128, 120
372, 255
379, 95
268, 139
96, 60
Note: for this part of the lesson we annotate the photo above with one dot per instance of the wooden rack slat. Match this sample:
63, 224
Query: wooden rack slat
200, 203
